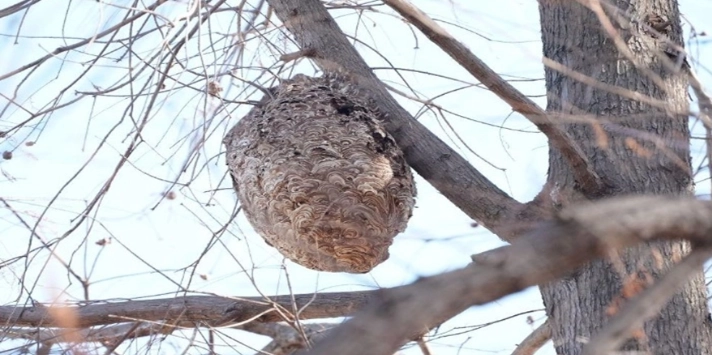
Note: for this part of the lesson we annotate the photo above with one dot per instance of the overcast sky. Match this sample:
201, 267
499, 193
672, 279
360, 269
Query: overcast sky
49, 183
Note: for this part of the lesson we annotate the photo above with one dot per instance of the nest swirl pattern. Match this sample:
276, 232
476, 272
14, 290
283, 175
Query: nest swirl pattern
318, 176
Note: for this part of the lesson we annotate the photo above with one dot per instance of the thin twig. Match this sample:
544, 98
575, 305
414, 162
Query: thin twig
705, 105
583, 171
308, 52
534, 341
423, 346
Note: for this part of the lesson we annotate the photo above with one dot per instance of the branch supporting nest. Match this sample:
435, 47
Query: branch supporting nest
314, 29
705, 105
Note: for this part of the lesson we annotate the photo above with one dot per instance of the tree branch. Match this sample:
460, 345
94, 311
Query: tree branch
575, 237
316, 31
584, 174
189, 310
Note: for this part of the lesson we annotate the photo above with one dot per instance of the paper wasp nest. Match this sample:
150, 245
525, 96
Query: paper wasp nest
318, 176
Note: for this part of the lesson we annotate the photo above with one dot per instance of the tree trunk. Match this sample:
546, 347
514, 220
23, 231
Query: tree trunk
637, 149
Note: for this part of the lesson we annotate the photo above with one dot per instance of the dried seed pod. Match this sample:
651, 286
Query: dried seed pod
318, 176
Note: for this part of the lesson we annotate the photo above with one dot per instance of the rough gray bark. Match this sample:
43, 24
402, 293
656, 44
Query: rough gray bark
618, 145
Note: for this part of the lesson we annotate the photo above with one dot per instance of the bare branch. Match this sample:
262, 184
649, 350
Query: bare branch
534, 341
189, 310
315, 30
298, 54
149, 9
589, 181
576, 237
286, 339
647, 305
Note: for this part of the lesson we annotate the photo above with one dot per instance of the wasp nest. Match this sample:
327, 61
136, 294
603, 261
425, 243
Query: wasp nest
318, 176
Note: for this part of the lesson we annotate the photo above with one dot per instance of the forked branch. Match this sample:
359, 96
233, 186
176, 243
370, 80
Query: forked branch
316, 31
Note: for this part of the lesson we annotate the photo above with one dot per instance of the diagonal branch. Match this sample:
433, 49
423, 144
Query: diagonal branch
549, 252
584, 174
317, 33
535, 340
647, 305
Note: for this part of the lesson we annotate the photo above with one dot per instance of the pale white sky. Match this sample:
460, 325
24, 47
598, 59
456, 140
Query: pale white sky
505, 34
